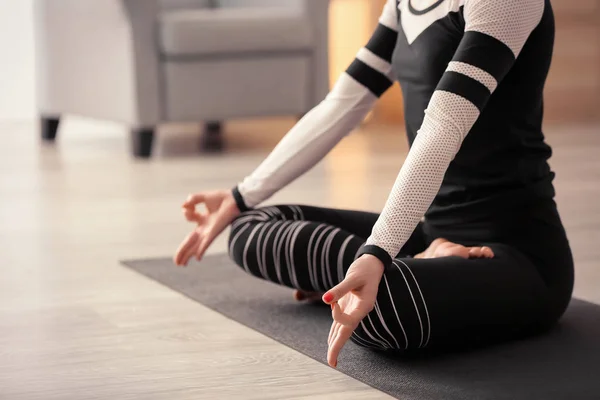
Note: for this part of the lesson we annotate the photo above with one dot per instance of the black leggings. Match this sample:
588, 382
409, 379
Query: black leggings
421, 303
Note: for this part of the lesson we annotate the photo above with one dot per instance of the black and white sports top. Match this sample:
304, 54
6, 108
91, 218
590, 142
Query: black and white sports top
472, 74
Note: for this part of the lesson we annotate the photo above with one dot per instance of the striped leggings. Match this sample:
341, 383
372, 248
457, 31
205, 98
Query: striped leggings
421, 303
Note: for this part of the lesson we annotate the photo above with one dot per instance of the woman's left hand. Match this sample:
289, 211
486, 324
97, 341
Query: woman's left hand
351, 300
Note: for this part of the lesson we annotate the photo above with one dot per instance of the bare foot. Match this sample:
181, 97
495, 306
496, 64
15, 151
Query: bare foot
301, 295
444, 248
438, 248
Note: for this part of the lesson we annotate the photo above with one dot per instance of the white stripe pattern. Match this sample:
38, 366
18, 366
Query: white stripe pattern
414, 302
424, 304
325, 256
473, 72
235, 239
364, 341
340, 265
264, 249
275, 252
299, 228
278, 233
312, 271
261, 266
374, 61
379, 335
314, 258
365, 330
387, 285
284, 247
247, 246
382, 320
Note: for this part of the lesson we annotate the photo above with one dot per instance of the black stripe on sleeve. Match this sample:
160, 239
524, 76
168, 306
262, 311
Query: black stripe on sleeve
465, 86
239, 200
383, 42
369, 77
486, 53
376, 251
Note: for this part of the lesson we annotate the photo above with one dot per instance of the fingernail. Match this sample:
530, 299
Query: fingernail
332, 306
328, 297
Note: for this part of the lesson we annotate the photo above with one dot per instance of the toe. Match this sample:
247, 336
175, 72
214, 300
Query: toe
475, 252
487, 252
450, 249
299, 295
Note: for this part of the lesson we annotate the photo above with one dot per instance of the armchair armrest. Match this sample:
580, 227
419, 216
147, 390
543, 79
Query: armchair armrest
98, 58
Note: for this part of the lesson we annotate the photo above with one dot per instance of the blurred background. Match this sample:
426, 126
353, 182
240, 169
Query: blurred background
573, 89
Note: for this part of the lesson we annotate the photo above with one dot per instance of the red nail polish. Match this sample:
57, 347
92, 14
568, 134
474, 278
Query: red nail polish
328, 297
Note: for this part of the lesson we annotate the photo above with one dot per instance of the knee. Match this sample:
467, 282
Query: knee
375, 334
239, 233
236, 243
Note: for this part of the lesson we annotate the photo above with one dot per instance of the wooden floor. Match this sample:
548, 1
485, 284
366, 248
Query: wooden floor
74, 324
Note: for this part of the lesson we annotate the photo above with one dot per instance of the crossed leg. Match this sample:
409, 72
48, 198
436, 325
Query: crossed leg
438, 248
434, 294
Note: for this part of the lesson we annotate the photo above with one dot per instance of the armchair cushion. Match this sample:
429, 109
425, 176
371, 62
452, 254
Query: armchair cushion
234, 30
184, 4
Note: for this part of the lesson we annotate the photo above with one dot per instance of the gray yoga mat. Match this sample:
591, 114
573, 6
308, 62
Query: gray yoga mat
562, 364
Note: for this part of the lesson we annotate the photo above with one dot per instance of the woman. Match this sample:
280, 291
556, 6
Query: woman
469, 247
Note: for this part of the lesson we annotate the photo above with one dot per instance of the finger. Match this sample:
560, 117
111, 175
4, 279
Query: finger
184, 247
204, 243
338, 291
341, 317
192, 215
340, 339
194, 199
190, 252
334, 327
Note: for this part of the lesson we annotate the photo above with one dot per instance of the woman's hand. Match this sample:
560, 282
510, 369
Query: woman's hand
351, 300
220, 211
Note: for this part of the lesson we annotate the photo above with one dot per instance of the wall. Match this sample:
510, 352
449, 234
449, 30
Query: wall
350, 26
16, 60
573, 87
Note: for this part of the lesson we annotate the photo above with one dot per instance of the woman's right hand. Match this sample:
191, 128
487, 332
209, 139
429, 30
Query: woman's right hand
220, 210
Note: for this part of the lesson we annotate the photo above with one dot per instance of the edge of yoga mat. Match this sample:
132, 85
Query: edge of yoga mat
130, 263
413, 386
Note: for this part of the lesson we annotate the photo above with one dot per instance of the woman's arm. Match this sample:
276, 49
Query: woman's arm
495, 33
350, 100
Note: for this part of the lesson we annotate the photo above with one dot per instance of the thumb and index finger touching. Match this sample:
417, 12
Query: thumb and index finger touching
189, 208
194, 199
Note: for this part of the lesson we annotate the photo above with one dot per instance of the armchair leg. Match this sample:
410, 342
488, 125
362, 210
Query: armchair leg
49, 128
142, 140
213, 140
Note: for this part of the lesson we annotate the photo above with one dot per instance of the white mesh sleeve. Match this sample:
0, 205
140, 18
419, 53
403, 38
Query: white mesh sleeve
450, 115
348, 103
309, 140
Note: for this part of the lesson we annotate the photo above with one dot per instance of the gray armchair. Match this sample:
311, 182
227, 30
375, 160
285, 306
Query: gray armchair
147, 62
